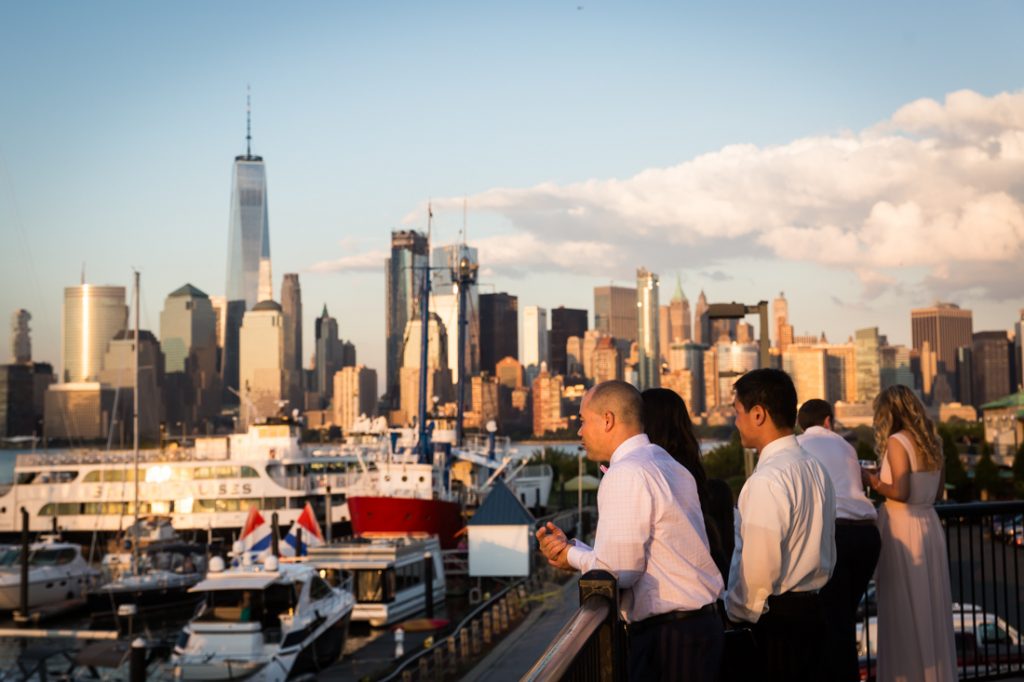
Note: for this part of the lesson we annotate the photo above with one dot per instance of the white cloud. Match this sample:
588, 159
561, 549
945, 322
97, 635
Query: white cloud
934, 191
370, 261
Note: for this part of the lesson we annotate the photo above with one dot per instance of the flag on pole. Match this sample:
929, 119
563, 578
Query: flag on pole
256, 533
311, 535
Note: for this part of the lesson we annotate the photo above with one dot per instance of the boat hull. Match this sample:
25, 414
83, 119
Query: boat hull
406, 516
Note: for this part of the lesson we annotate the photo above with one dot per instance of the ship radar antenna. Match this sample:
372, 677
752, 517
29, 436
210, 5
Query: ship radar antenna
248, 123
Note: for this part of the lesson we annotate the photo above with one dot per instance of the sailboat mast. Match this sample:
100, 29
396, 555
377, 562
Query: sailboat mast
135, 424
424, 340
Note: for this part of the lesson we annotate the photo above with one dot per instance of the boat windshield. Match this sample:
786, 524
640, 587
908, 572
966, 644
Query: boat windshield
375, 586
52, 557
9, 556
249, 606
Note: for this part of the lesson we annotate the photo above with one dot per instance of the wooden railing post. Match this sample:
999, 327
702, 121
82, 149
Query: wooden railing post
438, 664
474, 637
486, 617
610, 648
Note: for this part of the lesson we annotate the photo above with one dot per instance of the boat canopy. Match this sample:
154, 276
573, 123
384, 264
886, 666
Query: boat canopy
253, 581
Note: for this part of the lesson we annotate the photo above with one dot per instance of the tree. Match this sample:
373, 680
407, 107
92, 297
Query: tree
955, 473
1018, 464
986, 473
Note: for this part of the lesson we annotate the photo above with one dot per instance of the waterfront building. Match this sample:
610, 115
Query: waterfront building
188, 339
16, 386
291, 313
535, 340
780, 316
80, 412
547, 403
648, 336
808, 367
499, 329
261, 362
118, 373
842, 372
485, 401
712, 382
565, 322
355, 395
509, 372
866, 344
331, 354
895, 366
92, 316
991, 354
701, 326
21, 339
405, 269
945, 327
615, 311
439, 375
686, 385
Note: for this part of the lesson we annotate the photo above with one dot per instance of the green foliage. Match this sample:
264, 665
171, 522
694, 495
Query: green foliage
986, 473
564, 463
866, 451
955, 473
726, 461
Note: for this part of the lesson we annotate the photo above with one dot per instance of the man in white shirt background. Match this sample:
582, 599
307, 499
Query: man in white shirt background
857, 539
785, 548
651, 536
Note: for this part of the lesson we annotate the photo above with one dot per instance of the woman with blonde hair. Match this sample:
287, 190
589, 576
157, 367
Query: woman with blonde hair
915, 623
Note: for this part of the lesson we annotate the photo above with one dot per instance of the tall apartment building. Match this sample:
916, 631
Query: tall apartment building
991, 353
261, 362
945, 327
615, 311
868, 359
565, 322
21, 339
648, 336
499, 329
439, 375
291, 312
780, 316
405, 270
808, 367
701, 324
547, 403
92, 316
188, 339
534, 340
355, 395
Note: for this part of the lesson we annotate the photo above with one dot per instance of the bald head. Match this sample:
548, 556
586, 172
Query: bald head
619, 398
611, 412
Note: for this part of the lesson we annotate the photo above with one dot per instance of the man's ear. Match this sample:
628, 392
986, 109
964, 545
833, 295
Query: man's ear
609, 421
759, 414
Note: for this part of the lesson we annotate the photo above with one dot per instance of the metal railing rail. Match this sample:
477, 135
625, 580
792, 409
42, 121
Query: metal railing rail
589, 646
985, 573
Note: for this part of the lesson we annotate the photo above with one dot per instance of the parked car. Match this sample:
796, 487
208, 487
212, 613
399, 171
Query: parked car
985, 643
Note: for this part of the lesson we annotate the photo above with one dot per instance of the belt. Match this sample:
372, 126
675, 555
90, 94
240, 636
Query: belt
855, 522
662, 618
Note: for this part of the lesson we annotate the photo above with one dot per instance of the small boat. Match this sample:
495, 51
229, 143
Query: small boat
389, 574
263, 622
57, 572
167, 571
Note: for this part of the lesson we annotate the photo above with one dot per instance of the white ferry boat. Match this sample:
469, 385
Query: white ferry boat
209, 486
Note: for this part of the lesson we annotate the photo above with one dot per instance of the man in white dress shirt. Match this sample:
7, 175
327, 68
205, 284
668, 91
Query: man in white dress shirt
785, 549
651, 536
857, 540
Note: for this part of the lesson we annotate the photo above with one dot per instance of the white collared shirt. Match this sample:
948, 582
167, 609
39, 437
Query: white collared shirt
650, 534
840, 461
785, 540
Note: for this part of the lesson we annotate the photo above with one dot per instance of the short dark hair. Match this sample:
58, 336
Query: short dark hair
814, 412
621, 398
773, 390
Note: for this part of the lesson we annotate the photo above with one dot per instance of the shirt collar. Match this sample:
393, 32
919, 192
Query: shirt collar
777, 445
628, 445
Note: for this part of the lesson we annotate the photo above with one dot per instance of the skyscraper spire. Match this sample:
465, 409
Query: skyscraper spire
248, 124
679, 295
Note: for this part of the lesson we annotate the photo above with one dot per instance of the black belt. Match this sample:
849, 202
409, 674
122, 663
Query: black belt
662, 618
855, 522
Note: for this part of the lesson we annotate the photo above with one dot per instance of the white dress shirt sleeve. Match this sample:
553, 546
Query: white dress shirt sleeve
757, 562
624, 504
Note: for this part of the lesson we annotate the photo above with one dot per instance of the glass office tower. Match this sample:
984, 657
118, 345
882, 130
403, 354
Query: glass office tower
249, 231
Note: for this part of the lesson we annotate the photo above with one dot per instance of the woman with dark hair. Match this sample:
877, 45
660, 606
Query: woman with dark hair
667, 423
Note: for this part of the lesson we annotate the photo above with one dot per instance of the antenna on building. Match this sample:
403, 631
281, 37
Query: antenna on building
83, 273
463, 221
248, 123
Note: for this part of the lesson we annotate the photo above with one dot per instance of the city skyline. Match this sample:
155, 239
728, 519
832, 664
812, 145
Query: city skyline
153, 143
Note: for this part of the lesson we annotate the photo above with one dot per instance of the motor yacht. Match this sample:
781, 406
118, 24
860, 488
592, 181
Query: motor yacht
56, 572
266, 622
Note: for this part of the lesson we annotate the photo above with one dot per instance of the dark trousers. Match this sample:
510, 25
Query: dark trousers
790, 638
688, 650
857, 547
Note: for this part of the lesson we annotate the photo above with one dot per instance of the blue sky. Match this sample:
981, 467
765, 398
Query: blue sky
749, 147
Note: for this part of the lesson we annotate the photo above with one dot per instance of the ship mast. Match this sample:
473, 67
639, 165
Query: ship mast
135, 426
424, 341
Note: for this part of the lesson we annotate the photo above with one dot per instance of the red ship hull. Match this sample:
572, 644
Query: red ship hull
406, 516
